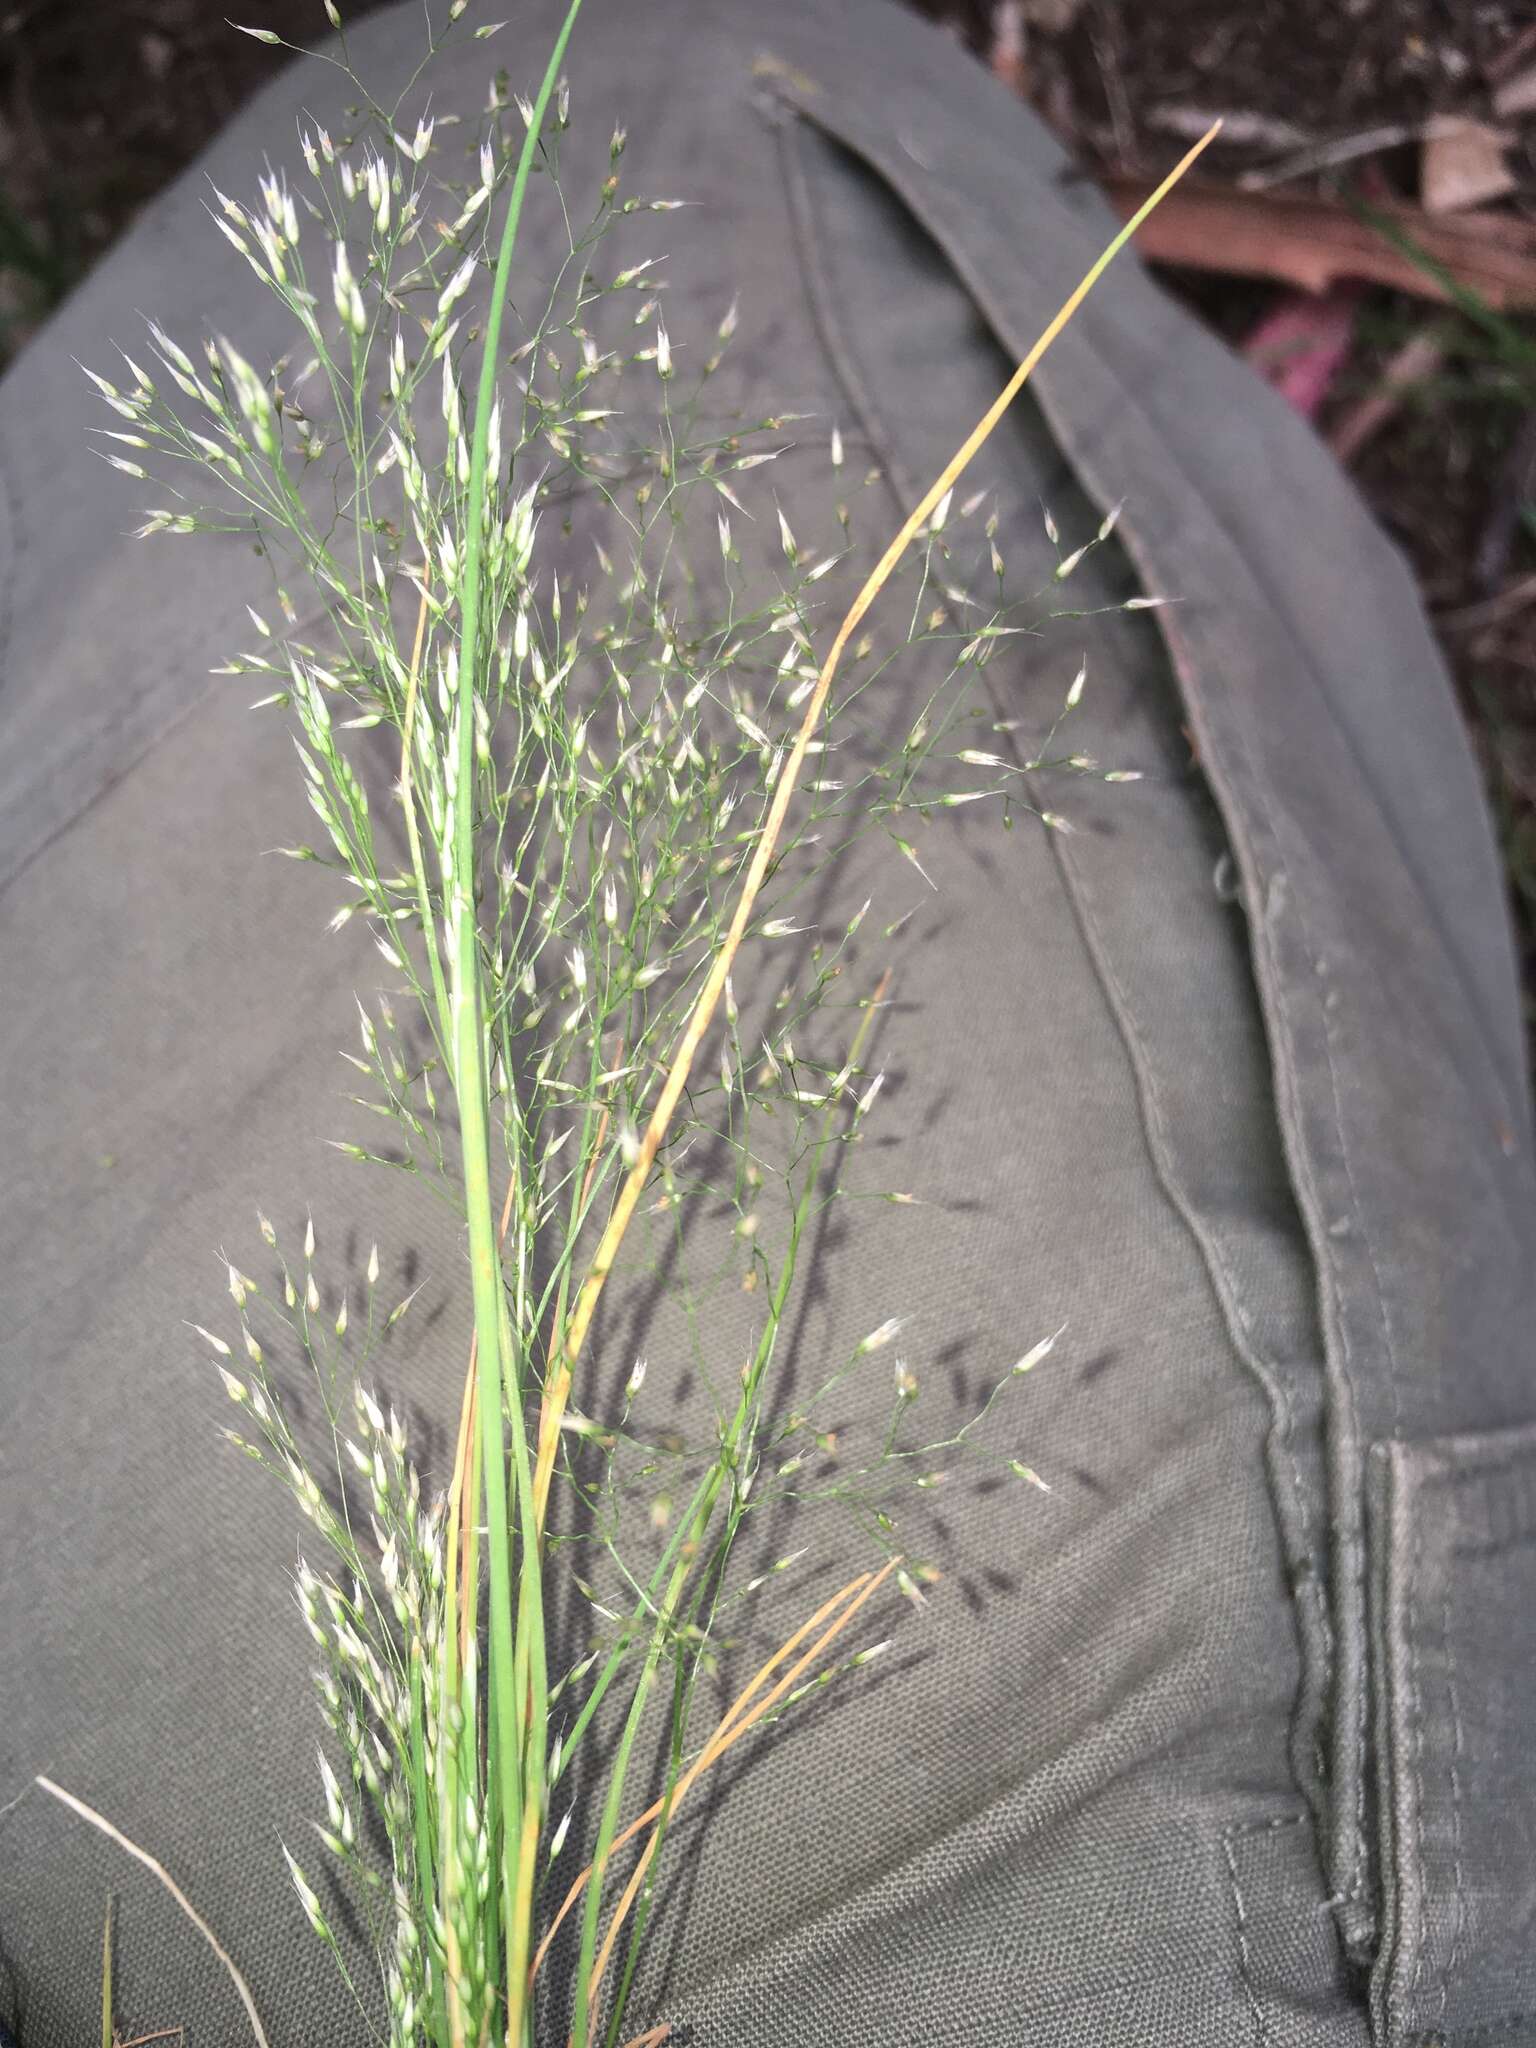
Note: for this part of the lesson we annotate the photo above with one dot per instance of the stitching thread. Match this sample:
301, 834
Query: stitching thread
1351, 1536
1349, 1507
1416, 1716
1240, 1914
1271, 1374
1458, 1750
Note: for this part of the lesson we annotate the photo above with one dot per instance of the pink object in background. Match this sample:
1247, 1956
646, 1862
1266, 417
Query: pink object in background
1303, 342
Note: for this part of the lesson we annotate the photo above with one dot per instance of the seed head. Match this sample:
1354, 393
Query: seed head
301, 1885
862, 1657
1041, 1350
879, 1338
333, 1805
456, 287
349, 300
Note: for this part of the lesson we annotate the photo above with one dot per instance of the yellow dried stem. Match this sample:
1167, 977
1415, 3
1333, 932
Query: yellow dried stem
736, 1723
558, 1386
732, 1725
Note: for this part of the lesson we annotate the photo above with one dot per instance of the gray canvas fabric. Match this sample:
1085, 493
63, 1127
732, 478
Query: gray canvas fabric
1231, 1737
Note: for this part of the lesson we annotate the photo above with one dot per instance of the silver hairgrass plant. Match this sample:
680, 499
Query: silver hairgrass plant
613, 795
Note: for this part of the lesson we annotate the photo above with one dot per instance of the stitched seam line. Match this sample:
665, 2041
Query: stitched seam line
1219, 1268
1283, 1004
1416, 1741
1268, 1371
1223, 1278
1350, 1535
1244, 1959
1246, 1831
1483, 2030
209, 689
1458, 1750
1219, 1271
12, 541
895, 176
1348, 1636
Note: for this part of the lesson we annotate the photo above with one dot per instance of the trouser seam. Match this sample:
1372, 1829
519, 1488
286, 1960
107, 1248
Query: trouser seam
12, 542
1222, 1280
1240, 1910
1282, 998
1271, 1374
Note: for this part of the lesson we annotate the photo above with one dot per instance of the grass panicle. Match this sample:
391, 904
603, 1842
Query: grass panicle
615, 1015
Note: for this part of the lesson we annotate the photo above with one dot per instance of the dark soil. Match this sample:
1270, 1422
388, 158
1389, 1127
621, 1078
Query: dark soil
102, 101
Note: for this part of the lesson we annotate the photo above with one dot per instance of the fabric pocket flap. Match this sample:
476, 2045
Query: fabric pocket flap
1453, 1562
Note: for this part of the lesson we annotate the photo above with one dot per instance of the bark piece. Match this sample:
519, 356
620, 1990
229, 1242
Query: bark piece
1313, 243
1461, 164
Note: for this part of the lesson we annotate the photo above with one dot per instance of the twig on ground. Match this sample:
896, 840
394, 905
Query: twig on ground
1413, 364
1463, 164
1106, 55
1006, 59
1513, 490
1240, 128
1512, 56
100, 1821
1312, 243
1489, 611
1328, 155
1516, 94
